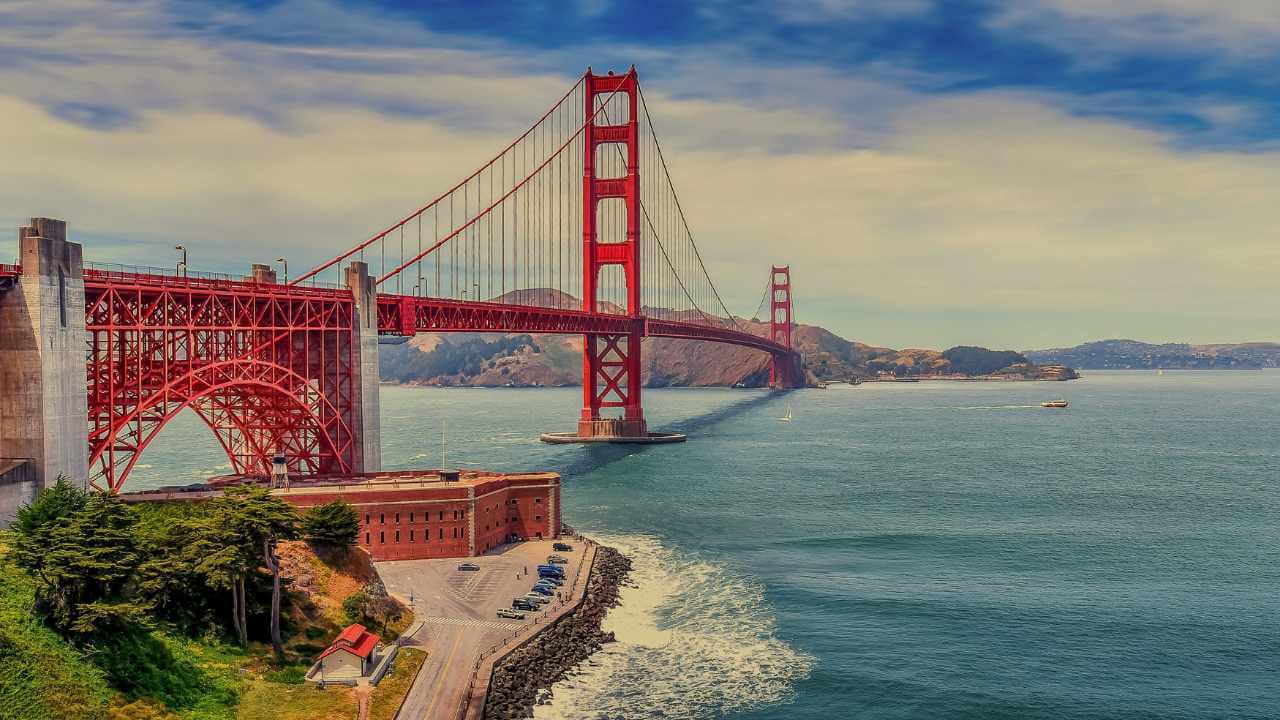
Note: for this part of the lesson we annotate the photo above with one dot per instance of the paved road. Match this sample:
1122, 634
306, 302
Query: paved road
458, 611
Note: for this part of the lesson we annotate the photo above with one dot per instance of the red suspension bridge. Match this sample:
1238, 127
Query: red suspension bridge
574, 227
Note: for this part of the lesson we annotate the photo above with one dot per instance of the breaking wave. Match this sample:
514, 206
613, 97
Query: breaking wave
693, 639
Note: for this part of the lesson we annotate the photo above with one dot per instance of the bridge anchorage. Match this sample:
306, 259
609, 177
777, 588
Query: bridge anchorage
559, 233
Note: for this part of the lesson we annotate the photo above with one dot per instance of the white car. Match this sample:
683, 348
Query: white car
538, 598
510, 614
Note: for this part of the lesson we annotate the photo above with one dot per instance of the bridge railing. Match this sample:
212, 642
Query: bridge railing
10, 269
145, 273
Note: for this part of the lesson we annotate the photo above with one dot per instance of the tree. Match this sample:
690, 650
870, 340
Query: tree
82, 561
336, 524
372, 607
170, 573
242, 523
225, 561
972, 360
35, 522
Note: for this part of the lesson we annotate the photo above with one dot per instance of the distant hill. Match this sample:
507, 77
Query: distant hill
522, 360
1133, 354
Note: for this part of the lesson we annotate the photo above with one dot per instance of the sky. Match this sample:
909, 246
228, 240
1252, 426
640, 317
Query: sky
1009, 173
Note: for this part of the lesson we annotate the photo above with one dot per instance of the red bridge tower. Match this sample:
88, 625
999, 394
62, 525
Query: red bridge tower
783, 371
611, 363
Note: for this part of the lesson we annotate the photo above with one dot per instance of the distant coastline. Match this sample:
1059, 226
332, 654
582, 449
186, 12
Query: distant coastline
1137, 355
526, 360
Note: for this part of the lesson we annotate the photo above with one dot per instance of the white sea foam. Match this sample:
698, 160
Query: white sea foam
694, 640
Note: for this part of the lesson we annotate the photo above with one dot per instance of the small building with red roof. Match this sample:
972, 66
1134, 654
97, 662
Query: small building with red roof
352, 655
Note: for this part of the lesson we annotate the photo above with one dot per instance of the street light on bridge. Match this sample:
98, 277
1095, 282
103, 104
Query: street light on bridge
286, 269
181, 269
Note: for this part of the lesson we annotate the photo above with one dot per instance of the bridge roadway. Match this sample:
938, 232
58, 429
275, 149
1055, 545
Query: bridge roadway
405, 315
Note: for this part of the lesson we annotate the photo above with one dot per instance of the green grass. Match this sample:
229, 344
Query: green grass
42, 676
272, 701
395, 685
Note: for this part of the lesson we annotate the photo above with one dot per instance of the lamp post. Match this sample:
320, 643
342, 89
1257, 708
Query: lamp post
181, 269
286, 269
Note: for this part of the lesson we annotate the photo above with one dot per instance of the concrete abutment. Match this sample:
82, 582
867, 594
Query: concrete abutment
43, 367
367, 425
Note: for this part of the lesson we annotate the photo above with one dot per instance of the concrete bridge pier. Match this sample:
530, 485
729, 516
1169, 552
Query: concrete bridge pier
366, 420
43, 368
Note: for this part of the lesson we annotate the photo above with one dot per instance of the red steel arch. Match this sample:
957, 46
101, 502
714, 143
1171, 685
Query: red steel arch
269, 368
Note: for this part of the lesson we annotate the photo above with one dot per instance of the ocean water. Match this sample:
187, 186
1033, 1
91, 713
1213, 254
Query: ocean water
925, 550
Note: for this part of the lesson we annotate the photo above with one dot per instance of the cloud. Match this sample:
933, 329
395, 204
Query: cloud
129, 58
910, 218
1098, 30
806, 12
1002, 203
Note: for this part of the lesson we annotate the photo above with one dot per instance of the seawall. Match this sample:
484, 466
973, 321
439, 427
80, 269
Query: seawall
529, 668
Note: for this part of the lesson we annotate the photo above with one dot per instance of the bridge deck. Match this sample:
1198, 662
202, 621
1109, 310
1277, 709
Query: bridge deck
407, 314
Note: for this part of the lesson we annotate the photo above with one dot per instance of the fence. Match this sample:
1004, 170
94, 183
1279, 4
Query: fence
147, 273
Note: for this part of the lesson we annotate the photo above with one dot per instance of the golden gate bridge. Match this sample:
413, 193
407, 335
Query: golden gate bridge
574, 227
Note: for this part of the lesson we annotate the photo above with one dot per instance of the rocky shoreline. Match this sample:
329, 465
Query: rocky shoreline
524, 677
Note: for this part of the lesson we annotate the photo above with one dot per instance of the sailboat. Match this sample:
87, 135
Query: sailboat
787, 417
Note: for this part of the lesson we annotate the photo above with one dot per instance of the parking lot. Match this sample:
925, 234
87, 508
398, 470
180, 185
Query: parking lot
458, 610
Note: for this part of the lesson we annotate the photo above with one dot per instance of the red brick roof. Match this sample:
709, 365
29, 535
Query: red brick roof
355, 639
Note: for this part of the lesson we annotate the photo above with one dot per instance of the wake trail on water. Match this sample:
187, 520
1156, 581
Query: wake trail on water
692, 638
995, 407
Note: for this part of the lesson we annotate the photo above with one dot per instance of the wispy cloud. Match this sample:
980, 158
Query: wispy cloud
895, 191
818, 11
1096, 30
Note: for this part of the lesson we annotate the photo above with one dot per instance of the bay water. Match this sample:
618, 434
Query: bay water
901, 550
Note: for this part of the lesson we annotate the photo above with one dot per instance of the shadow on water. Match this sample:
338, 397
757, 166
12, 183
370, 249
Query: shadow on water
597, 455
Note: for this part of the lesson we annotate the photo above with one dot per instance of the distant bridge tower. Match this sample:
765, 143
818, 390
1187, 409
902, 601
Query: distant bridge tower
783, 371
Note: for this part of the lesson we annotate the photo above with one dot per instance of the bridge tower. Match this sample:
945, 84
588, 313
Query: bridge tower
611, 363
782, 371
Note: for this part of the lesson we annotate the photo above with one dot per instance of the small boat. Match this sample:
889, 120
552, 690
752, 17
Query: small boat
1054, 404
787, 417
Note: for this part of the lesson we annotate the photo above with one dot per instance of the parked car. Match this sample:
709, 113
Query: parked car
551, 580
551, 569
544, 590
510, 614
522, 604
472, 567
562, 547
556, 560
538, 598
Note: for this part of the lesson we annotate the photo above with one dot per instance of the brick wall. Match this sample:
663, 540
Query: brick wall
411, 523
